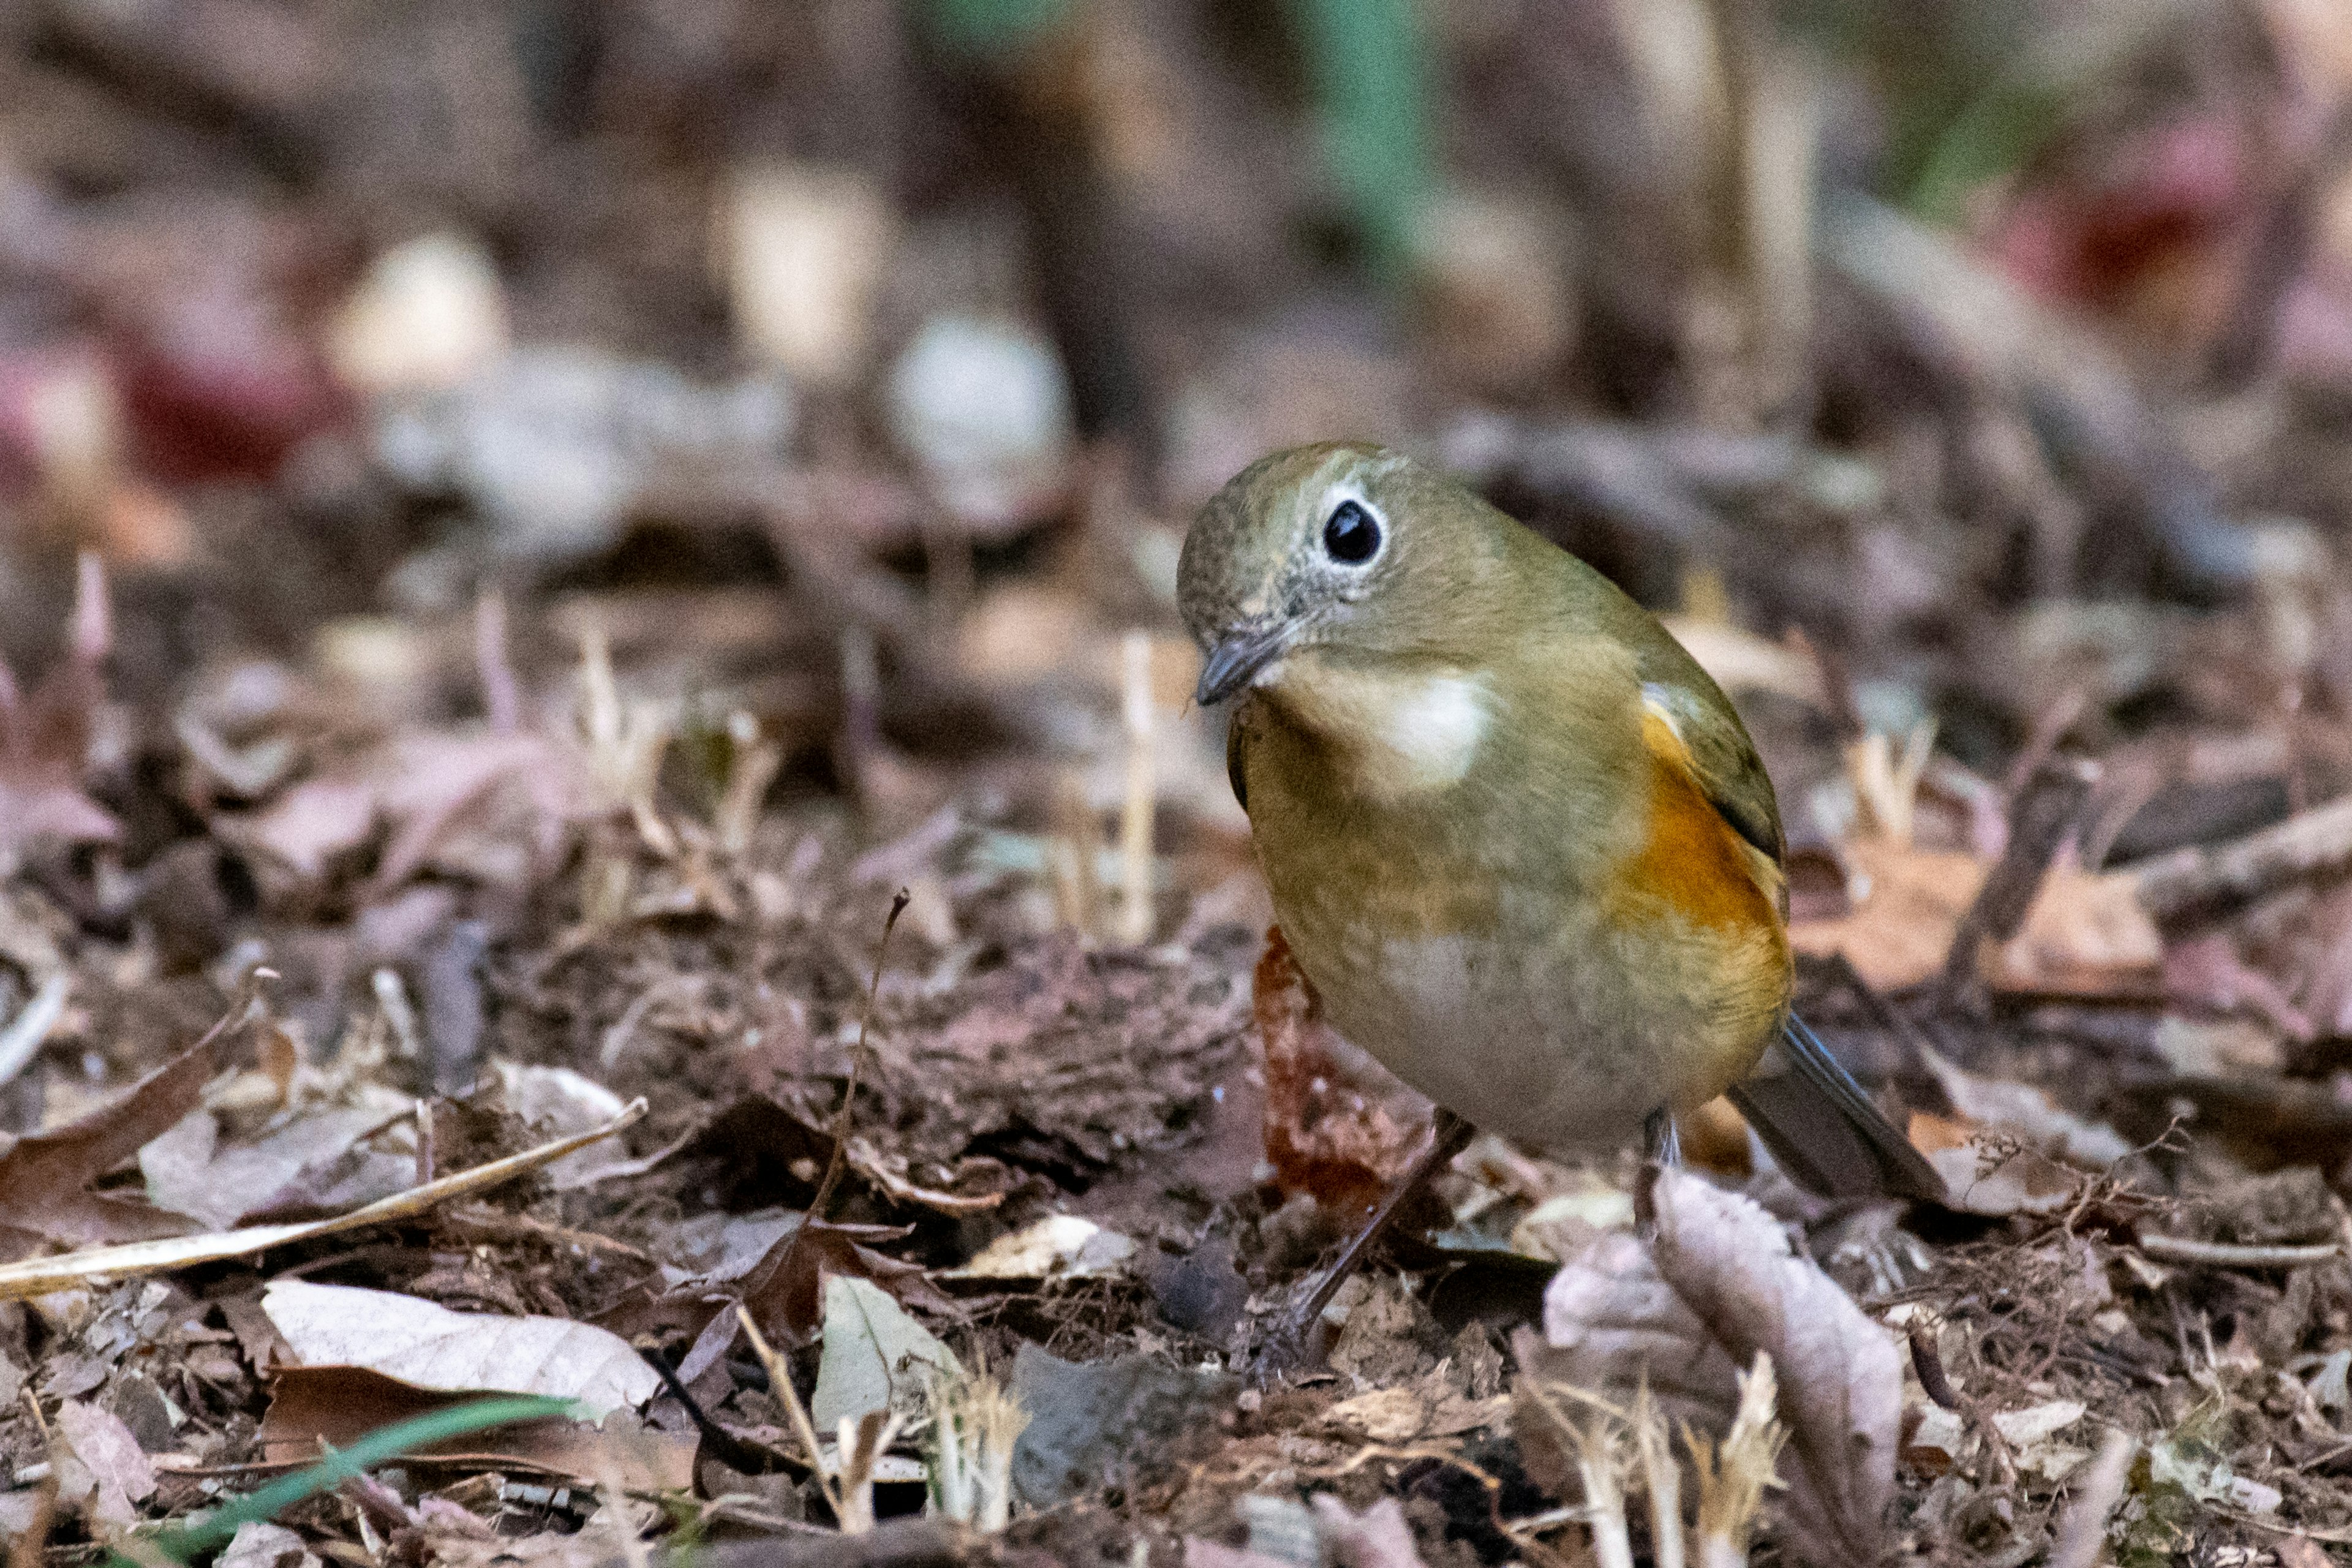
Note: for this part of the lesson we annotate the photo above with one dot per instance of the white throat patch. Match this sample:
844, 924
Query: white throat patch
1408, 734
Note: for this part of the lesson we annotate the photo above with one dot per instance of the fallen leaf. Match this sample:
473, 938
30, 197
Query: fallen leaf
1427, 1409
1840, 1378
117, 1473
1906, 905
2085, 933
45, 1177
1321, 1137
874, 1355
426, 1345
556, 1102
1060, 1245
1718, 1284
309, 1162
2022, 1112
42, 1275
2037, 1423
1981, 1181
315, 1408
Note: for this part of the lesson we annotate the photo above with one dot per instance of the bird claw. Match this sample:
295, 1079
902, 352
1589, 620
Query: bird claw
1296, 1343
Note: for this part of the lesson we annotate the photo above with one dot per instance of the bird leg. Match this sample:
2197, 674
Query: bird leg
1661, 1149
1661, 1144
1291, 1342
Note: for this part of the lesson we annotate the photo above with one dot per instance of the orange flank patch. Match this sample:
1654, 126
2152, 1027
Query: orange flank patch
1692, 861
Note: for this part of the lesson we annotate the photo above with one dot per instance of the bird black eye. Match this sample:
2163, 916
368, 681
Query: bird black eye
1349, 535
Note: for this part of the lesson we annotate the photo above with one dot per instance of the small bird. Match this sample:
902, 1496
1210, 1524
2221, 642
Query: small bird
1517, 838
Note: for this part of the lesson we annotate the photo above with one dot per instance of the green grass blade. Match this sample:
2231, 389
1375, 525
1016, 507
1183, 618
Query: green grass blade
385, 1443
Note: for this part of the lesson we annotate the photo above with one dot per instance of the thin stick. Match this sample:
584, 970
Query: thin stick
502, 693
780, 1378
2228, 1255
1135, 815
2313, 843
2043, 812
840, 1156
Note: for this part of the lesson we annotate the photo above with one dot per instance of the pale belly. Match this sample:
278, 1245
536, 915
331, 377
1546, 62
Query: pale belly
1552, 1034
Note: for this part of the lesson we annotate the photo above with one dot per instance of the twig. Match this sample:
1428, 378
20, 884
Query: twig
1661, 1478
2230, 1255
2044, 813
30, 1028
1928, 1363
502, 693
2083, 1531
780, 1379
2312, 844
840, 1156
1135, 813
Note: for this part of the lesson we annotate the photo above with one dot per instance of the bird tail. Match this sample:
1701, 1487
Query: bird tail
1824, 1131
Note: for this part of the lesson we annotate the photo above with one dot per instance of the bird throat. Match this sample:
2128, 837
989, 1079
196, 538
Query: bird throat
1398, 732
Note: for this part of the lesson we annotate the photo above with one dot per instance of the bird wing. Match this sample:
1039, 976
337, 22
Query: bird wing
1716, 752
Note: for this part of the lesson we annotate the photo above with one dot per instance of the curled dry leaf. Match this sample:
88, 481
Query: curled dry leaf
1321, 1137
1840, 1377
1719, 1284
430, 1346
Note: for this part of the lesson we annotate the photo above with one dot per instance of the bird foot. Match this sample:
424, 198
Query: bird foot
1295, 1343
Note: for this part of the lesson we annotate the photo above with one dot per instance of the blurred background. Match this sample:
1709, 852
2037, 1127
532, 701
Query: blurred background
800, 405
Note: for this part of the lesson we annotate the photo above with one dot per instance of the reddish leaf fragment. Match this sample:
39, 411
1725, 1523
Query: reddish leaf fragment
1321, 1137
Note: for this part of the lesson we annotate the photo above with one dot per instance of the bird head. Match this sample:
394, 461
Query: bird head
1346, 547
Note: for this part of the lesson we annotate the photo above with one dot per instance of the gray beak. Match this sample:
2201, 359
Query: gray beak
1238, 655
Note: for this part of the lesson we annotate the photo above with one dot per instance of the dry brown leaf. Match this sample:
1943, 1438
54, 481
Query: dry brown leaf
310, 1163
40, 1276
1405, 1414
1719, 1284
2085, 935
2022, 1112
315, 1408
424, 1343
108, 1466
1908, 903
44, 1178
1840, 1378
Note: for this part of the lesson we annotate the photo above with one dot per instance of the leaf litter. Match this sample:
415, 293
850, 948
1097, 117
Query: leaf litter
557, 722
